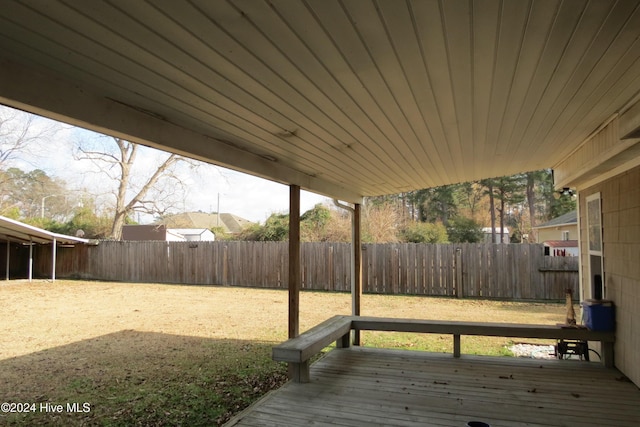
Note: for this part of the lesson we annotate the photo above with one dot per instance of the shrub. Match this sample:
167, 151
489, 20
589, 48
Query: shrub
424, 232
464, 230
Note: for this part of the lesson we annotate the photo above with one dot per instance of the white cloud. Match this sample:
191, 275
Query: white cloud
244, 195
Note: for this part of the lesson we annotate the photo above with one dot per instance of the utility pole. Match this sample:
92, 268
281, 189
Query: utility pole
42, 204
218, 213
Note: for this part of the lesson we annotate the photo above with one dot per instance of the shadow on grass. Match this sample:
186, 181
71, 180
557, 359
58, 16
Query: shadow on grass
138, 378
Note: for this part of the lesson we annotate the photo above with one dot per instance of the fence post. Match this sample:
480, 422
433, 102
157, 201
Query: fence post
225, 265
459, 291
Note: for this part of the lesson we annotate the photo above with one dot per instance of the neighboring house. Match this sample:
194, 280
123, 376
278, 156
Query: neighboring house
195, 234
487, 235
560, 235
162, 233
564, 227
561, 247
229, 223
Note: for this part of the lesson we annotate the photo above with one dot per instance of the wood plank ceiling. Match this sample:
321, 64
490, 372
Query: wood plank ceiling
346, 98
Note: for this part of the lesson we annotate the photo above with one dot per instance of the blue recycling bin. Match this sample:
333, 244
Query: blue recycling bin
599, 315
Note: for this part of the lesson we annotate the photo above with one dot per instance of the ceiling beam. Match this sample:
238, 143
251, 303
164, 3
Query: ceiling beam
51, 96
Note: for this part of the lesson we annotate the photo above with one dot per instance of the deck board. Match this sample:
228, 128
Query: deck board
363, 387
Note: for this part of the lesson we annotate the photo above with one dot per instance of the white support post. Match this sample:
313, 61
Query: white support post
356, 261
8, 256
30, 259
54, 247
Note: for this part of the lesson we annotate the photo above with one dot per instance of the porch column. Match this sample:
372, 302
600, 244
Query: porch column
294, 261
53, 260
30, 259
8, 257
356, 266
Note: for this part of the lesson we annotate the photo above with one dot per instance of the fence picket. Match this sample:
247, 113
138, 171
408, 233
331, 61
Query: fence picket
518, 271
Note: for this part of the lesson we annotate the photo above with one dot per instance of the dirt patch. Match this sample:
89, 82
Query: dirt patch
150, 354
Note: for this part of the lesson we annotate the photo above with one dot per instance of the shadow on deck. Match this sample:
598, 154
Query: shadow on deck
363, 386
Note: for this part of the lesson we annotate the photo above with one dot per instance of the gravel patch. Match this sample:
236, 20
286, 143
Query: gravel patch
533, 351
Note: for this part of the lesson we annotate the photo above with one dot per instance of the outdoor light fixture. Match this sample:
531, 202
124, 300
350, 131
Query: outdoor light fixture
566, 191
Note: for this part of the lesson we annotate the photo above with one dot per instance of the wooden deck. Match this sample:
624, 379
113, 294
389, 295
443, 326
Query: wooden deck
364, 387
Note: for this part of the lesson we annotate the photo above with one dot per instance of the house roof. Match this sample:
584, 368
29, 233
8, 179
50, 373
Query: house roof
570, 218
346, 99
561, 243
190, 231
19, 232
229, 222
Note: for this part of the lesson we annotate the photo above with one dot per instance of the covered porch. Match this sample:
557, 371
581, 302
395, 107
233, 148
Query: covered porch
361, 386
358, 99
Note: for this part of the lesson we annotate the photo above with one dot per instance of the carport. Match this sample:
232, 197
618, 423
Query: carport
16, 232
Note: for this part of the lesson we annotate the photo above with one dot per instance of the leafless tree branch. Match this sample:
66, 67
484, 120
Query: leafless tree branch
155, 195
18, 132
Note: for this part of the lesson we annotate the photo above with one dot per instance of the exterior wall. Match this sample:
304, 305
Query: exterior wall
173, 237
555, 233
620, 198
562, 251
193, 234
144, 232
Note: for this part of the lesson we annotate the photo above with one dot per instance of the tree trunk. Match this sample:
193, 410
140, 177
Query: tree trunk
492, 212
531, 201
127, 158
116, 228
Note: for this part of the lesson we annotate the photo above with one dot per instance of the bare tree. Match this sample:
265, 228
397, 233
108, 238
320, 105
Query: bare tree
20, 130
380, 223
153, 194
21, 136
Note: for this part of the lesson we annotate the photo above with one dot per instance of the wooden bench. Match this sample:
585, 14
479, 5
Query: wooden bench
512, 330
298, 351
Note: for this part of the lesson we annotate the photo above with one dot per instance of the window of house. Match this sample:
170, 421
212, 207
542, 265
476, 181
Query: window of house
595, 246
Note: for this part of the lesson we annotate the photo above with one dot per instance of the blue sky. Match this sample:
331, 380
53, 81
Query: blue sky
244, 195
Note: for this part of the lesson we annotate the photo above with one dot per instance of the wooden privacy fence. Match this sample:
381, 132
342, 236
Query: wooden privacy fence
509, 271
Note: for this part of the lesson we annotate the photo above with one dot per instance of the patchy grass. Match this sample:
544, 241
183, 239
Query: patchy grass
154, 355
142, 378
